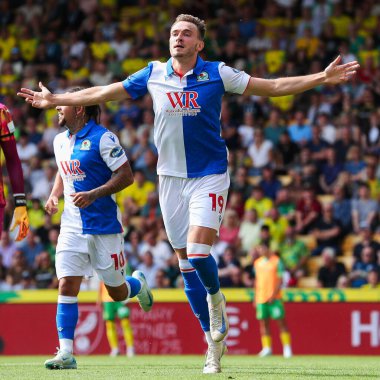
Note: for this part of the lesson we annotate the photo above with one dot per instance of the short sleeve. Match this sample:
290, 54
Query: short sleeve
234, 80
111, 151
137, 84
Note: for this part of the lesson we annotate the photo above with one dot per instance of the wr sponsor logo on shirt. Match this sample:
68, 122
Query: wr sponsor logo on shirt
72, 171
184, 103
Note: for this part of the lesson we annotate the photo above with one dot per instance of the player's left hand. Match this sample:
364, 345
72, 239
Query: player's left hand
336, 73
82, 199
38, 99
20, 219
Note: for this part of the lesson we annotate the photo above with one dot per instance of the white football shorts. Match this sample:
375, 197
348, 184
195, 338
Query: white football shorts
192, 202
77, 254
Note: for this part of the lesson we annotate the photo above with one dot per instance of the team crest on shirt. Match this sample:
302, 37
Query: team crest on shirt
86, 145
203, 76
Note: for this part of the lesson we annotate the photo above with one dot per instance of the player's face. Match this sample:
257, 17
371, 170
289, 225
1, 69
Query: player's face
184, 40
66, 115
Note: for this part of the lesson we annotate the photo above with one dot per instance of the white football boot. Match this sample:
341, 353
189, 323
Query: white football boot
218, 319
62, 360
214, 353
145, 296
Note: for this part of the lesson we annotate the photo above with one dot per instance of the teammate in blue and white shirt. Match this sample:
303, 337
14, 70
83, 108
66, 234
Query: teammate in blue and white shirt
92, 167
192, 165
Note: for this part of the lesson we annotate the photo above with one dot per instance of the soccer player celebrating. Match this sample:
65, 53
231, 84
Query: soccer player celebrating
92, 166
268, 280
192, 164
14, 168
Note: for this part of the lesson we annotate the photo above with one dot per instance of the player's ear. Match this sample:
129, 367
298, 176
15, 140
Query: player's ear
200, 45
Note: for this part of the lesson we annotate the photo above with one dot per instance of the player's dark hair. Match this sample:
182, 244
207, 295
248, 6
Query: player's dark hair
92, 112
200, 24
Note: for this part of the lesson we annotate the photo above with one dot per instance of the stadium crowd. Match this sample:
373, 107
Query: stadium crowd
305, 169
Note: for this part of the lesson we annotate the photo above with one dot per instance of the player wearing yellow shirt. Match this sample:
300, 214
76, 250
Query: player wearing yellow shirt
111, 310
268, 279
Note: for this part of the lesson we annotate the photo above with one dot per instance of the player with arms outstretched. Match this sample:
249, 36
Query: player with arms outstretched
14, 168
92, 167
192, 164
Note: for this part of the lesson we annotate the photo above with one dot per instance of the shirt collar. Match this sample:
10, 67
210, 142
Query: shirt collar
196, 70
83, 132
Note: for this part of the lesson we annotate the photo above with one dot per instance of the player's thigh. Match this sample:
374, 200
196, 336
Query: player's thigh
276, 309
208, 201
109, 311
107, 258
175, 210
72, 257
262, 311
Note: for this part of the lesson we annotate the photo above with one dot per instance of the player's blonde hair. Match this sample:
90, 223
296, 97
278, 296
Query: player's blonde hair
200, 24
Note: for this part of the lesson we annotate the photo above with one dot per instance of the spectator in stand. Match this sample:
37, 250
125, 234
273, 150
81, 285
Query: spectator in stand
342, 209
17, 271
36, 214
134, 197
364, 209
133, 248
43, 186
328, 131
368, 175
300, 130
7, 249
317, 145
228, 267
344, 142
284, 204
236, 202
372, 280
362, 267
162, 280
327, 231
287, 150
240, 182
159, 248
308, 209
247, 129
331, 175
354, 163
249, 231
275, 127
371, 138
31, 247
260, 152
259, 202
277, 225
229, 230
294, 254
150, 268
44, 273
366, 240
331, 270
269, 183
26, 150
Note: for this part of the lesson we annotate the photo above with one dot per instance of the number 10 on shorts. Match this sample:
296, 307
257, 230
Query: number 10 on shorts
119, 260
216, 200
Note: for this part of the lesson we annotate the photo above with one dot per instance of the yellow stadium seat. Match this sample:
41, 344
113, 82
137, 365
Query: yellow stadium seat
285, 180
325, 198
313, 264
254, 180
349, 243
307, 282
348, 261
308, 240
137, 222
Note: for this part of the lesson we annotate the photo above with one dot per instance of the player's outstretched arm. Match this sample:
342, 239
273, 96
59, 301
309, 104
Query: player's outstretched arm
122, 178
87, 97
335, 73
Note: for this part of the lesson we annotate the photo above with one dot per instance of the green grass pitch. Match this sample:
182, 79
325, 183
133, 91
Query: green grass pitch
190, 367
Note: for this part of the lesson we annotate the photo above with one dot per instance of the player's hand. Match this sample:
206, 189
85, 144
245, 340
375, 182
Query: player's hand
20, 219
38, 99
51, 205
336, 73
82, 199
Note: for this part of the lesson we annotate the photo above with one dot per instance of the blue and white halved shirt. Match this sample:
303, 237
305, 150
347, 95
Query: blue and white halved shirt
85, 161
187, 130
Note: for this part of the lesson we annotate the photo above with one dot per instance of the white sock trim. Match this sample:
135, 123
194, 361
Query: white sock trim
67, 299
66, 345
197, 249
129, 290
184, 264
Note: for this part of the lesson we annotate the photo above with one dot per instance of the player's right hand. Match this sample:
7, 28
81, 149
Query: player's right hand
51, 206
38, 99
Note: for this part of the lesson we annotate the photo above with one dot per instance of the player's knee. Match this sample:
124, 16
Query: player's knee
118, 294
69, 286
